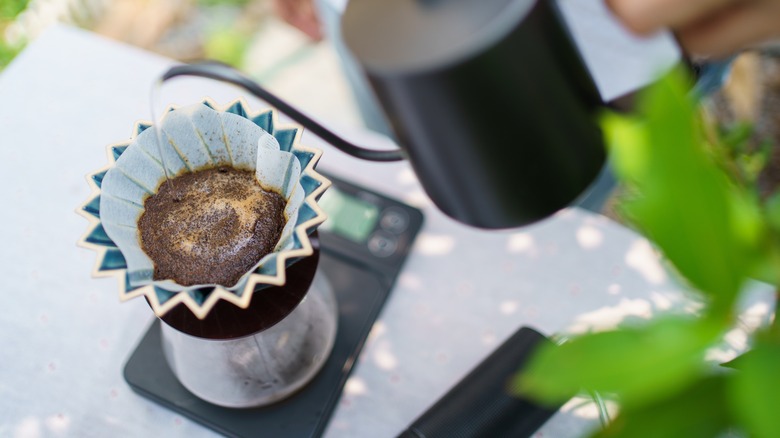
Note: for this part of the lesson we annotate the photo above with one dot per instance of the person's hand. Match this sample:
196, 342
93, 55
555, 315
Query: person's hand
705, 27
300, 14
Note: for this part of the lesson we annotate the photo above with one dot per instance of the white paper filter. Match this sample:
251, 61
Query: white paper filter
194, 137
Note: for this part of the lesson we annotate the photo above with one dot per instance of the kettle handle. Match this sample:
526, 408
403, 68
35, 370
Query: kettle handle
225, 73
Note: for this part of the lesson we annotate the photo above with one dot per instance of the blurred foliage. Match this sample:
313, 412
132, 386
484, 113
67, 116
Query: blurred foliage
690, 413
227, 44
742, 162
233, 24
8, 53
692, 191
227, 28
9, 10
704, 222
640, 364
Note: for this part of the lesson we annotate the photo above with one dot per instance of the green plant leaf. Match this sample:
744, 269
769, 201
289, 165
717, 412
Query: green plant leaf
755, 391
735, 138
227, 45
9, 9
686, 205
768, 270
700, 410
736, 363
637, 364
622, 132
773, 210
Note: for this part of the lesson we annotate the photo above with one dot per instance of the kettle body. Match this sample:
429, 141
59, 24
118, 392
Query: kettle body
490, 100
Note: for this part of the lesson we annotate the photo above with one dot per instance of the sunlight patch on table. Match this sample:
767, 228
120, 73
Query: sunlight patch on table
384, 357
609, 317
643, 259
508, 307
58, 423
29, 427
589, 237
435, 244
355, 386
521, 243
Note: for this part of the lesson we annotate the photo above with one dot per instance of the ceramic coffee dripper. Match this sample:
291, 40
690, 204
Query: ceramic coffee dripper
263, 338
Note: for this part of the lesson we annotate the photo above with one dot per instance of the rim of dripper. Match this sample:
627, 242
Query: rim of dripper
111, 263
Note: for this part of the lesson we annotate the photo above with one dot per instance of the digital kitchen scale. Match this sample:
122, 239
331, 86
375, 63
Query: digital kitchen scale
364, 245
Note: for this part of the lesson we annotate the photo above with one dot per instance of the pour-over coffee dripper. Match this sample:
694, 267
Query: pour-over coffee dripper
263, 338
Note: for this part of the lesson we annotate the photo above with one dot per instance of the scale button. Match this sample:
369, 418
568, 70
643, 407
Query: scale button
382, 244
394, 220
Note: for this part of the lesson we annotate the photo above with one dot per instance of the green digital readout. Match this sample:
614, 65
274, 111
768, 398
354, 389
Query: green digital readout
348, 216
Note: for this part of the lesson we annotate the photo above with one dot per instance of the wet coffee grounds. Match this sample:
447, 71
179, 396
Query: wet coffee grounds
210, 226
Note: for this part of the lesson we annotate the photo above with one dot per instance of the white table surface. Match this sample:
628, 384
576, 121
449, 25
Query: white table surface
64, 337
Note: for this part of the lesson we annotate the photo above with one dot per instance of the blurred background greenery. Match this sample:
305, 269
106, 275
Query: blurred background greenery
247, 34
9, 10
182, 29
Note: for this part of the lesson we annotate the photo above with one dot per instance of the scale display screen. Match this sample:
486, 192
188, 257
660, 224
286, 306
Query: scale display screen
348, 216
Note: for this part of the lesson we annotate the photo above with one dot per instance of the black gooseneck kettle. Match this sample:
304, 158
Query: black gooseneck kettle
489, 100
